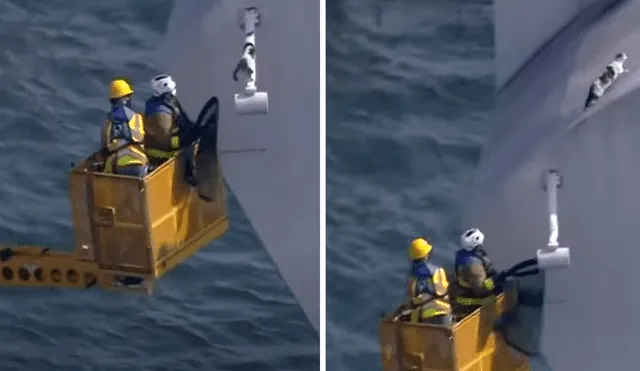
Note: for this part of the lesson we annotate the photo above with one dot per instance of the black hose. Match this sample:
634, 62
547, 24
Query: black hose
531, 272
517, 270
522, 265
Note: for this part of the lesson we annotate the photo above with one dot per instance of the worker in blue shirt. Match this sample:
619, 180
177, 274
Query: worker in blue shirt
166, 121
475, 277
169, 128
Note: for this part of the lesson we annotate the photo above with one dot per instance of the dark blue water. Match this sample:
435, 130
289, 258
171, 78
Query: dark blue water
225, 309
410, 98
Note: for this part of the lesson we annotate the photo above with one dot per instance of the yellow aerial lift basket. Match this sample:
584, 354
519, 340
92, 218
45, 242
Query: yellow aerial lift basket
128, 231
471, 344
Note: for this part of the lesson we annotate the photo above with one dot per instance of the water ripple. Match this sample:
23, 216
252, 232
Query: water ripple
225, 309
410, 89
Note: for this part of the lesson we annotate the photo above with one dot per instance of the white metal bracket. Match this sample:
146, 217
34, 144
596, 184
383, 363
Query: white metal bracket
251, 101
553, 256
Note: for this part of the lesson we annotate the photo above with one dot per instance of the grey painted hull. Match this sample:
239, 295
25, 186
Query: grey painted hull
271, 162
588, 320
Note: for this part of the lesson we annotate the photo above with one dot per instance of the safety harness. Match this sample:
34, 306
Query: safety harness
434, 285
119, 130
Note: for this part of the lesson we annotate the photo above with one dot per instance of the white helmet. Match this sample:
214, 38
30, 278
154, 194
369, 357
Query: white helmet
162, 84
471, 239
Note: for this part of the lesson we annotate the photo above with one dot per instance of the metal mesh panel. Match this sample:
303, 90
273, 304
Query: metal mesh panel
178, 216
120, 225
135, 225
83, 240
123, 250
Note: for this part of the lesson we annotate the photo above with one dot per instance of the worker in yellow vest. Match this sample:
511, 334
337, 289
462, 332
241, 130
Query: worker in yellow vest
428, 286
123, 134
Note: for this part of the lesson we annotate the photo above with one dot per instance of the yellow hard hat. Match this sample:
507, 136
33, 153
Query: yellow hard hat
119, 88
419, 249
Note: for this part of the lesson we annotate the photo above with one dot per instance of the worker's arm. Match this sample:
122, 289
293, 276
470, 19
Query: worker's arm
104, 135
106, 148
411, 291
158, 133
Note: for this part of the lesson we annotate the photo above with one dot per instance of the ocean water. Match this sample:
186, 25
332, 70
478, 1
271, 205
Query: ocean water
225, 309
410, 100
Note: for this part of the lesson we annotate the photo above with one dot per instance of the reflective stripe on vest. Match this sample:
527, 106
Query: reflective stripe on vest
419, 314
128, 156
156, 153
469, 301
